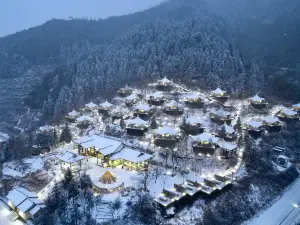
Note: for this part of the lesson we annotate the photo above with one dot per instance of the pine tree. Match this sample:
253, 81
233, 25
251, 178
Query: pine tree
66, 135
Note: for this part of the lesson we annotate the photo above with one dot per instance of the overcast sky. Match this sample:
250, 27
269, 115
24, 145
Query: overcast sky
16, 15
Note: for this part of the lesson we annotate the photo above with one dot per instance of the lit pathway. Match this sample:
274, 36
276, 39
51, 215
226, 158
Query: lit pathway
282, 212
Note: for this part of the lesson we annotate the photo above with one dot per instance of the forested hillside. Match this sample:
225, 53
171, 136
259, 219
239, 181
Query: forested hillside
242, 46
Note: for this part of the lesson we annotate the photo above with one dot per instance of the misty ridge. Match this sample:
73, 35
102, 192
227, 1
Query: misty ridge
246, 46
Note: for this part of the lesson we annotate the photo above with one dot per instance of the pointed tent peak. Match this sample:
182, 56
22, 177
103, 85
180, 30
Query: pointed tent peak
219, 91
106, 104
73, 113
256, 98
91, 105
165, 80
108, 178
137, 120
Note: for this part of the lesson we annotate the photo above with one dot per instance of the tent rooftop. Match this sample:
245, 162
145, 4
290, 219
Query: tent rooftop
143, 106
205, 137
106, 104
70, 157
254, 123
166, 130
271, 119
256, 98
137, 120
91, 105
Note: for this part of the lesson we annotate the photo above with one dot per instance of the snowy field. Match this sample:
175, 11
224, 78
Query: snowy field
285, 211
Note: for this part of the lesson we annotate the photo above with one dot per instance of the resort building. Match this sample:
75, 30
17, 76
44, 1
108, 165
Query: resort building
90, 106
288, 114
193, 99
219, 94
70, 160
227, 149
173, 108
296, 107
143, 110
227, 132
125, 91
164, 84
112, 153
258, 102
271, 123
136, 126
204, 143
25, 203
105, 107
156, 98
71, 117
83, 121
132, 99
220, 116
193, 125
131, 159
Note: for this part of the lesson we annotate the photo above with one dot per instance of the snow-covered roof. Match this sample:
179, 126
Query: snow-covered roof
106, 104
83, 118
143, 106
132, 97
164, 80
254, 123
271, 119
73, 113
83, 139
228, 129
173, 103
70, 157
218, 91
296, 105
227, 145
157, 94
192, 96
194, 120
289, 112
23, 199
3, 137
91, 105
166, 130
256, 98
221, 112
45, 128
205, 137
137, 121
131, 155
104, 145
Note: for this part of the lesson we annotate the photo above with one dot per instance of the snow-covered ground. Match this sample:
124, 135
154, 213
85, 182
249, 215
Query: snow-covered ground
30, 165
4, 211
283, 212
